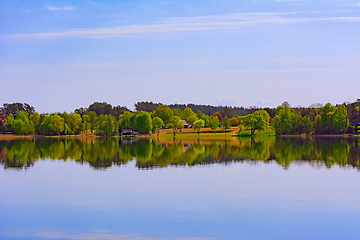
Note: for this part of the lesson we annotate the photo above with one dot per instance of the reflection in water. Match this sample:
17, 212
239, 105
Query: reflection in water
104, 153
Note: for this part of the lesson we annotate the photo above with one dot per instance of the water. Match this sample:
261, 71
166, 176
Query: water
284, 188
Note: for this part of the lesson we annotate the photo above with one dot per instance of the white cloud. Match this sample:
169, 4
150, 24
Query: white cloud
188, 24
261, 102
229, 101
51, 8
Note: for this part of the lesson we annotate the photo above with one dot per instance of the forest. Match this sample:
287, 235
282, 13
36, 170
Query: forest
103, 119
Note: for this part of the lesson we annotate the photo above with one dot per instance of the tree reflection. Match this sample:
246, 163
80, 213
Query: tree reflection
148, 154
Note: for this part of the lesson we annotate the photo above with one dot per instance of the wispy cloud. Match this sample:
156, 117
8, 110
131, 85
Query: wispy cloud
101, 234
52, 8
189, 24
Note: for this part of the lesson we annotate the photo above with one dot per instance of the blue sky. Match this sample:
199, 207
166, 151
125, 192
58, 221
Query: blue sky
61, 55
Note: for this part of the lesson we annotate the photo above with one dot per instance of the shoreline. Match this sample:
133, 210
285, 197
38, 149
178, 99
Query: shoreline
165, 136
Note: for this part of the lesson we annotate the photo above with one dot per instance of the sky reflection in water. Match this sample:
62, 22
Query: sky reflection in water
226, 198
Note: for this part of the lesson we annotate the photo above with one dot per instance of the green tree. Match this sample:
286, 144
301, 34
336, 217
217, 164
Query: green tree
125, 120
92, 120
86, 124
187, 113
308, 127
283, 120
74, 122
317, 124
214, 123
259, 120
19, 126
9, 122
341, 120
165, 113
35, 118
226, 123
204, 117
56, 124
191, 119
106, 125
143, 122
327, 120
234, 121
157, 124
175, 124
198, 125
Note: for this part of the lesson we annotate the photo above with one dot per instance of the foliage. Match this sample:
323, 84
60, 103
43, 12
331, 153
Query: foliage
125, 120
198, 125
175, 124
218, 115
143, 122
259, 120
226, 122
234, 121
214, 123
74, 123
341, 121
36, 120
157, 124
165, 113
201, 115
14, 108
146, 106
107, 125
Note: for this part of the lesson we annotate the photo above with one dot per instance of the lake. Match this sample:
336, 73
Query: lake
273, 188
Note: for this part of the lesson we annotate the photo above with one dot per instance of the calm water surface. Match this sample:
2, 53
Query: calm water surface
284, 188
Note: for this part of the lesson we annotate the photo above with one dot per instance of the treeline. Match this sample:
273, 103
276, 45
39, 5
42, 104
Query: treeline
319, 120
104, 119
104, 153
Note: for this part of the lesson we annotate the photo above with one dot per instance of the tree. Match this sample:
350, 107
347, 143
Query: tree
106, 125
226, 123
19, 126
157, 124
143, 122
10, 122
92, 120
190, 120
204, 117
100, 108
218, 115
14, 108
35, 119
198, 125
175, 124
165, 113
125, 120
214, 123
308, 128
86, 123
341, 121
226, 111
259, 120
327, 121
57, 123
283, 120
234, 121
187, 113
146, 106
74, 122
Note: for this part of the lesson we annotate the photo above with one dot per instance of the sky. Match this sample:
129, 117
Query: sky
61, 55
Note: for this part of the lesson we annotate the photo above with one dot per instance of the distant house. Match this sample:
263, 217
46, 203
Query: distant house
186, 125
